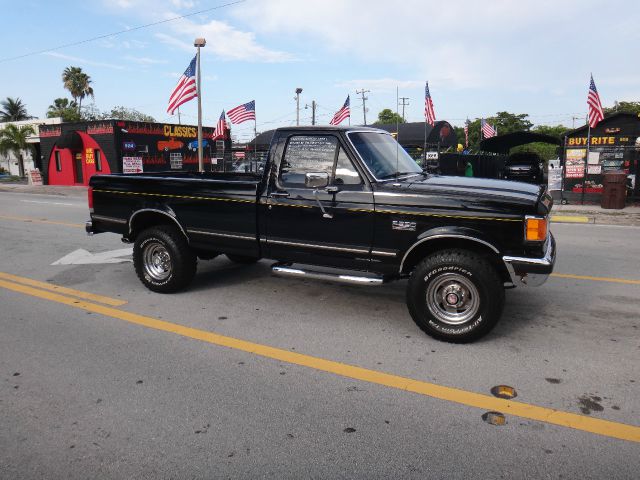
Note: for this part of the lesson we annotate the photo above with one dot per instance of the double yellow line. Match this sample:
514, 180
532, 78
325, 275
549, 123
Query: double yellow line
106, 306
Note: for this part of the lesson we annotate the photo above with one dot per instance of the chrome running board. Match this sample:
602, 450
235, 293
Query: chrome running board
284, 270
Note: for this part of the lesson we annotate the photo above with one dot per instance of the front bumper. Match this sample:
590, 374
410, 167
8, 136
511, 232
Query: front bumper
532, 272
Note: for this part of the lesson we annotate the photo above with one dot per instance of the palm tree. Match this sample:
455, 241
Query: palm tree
62, 107
13, 110
78, 83
14, 139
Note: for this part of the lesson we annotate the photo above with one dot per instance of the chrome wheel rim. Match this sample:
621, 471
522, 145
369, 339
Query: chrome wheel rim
453, 299
157, 262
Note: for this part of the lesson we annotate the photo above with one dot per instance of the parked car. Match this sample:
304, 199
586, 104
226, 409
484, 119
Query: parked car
170, 144
524, 167
193, 146
350, 199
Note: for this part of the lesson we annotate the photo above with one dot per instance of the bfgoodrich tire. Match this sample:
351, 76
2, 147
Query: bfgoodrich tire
163, 260
455, 296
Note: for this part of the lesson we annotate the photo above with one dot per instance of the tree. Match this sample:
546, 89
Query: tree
124, 113
14, 139
62, 107
78, 83
504, 122
623, 107
388, 117
13, 110
546, 151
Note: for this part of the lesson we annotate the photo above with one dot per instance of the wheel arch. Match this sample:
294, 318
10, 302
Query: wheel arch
439, 239
149, 217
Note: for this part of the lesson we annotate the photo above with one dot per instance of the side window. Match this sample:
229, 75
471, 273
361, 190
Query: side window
346, 174
58, 162
307, 153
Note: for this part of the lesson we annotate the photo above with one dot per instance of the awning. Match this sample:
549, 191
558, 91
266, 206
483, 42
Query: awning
504, 143
70, 140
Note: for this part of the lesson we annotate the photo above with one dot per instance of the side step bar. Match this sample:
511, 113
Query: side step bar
284, 270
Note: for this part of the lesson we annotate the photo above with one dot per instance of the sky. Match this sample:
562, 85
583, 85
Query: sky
479, 58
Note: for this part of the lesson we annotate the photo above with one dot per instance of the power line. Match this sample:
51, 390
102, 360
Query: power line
108, 35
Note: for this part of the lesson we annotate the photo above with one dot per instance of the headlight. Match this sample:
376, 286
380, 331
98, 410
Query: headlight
535, 229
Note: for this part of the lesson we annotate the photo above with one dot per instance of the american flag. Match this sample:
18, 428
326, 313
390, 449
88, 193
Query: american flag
220, 128
185, 89
466, 133
344, 112
595, 107
429, 114
242, 113
487, 130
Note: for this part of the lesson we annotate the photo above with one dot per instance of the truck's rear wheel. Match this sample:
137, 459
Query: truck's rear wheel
455, 296
163, 260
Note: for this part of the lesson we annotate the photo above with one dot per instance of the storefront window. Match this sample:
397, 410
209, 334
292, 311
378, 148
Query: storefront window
58, 162
98, 160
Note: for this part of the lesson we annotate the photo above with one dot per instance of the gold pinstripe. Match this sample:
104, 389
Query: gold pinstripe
175, 196
237, 200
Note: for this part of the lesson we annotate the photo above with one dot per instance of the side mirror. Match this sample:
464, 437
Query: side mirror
316, 180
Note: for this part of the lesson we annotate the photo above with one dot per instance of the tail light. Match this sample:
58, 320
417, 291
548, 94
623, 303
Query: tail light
535, 229
90, 198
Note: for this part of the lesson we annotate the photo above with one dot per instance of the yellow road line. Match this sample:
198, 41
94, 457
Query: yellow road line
38, 220
114, 302
533, 412
596, 279
570, 219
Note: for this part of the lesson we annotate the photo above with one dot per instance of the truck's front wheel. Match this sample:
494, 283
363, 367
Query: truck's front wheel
163, 260
455, 296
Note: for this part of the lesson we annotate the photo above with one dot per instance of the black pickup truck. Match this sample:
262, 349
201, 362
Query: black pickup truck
343, 204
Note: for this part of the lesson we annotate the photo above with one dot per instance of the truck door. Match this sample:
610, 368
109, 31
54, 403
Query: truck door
331, 225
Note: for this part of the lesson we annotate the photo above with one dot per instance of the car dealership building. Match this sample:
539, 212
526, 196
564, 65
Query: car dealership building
70, 153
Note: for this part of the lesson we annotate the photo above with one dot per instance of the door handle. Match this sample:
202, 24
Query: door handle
280, 194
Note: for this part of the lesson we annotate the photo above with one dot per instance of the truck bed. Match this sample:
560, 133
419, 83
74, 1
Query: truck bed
217, 211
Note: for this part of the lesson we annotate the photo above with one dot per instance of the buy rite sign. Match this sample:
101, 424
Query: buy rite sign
582, 141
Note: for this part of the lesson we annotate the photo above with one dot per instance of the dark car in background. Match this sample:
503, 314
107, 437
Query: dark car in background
524, 167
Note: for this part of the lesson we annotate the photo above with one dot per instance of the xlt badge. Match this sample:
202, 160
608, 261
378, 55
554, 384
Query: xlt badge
403, 225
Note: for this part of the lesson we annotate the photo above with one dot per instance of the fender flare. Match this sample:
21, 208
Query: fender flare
463, 233
168, 214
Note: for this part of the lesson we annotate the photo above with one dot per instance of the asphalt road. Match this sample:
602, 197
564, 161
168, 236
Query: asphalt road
88, 391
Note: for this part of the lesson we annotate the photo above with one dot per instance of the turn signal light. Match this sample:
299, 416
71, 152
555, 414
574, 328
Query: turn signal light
536, 229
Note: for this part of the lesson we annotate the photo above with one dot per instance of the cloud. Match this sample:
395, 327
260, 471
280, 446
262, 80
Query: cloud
144, 60
464, 44
223, 40
83, 60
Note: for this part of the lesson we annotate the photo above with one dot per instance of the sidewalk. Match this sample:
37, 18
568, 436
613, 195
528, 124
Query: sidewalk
64, 191
630, 215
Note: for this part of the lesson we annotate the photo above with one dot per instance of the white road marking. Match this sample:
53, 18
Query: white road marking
50, 203
84, 257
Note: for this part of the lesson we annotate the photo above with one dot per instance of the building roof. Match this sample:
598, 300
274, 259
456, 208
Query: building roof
504, 143
625, 120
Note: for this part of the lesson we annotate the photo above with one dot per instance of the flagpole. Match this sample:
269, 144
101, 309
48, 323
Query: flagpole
586, 161
255, 140
199, 42
179, 122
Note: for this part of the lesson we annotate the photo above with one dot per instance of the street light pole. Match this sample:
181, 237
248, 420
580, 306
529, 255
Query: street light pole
298, 92
199, 42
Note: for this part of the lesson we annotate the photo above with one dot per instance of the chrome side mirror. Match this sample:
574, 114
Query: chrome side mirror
316, 180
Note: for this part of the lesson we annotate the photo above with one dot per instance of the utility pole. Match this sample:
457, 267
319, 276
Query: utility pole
313, 111
403, 104
298, 92
573, 120
364, 105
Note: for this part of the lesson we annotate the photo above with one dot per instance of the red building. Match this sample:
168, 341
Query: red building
72, 152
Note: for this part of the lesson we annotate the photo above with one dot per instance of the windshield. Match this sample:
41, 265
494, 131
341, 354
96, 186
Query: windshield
382, 154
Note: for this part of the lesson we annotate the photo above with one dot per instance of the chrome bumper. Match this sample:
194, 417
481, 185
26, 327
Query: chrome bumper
532, 272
